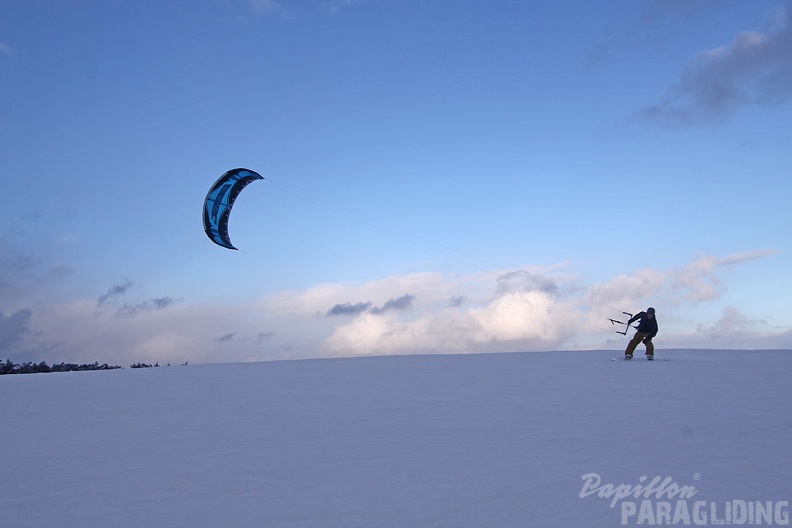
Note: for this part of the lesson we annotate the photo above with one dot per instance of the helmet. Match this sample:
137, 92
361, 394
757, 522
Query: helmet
650, 310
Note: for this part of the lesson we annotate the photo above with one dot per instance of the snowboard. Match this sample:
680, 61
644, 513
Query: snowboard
639, 358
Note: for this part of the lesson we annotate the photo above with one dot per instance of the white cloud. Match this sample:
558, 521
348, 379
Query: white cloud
732, 324
737, 258
80, 331
698, 281
516, 317
319, 300
754, 69
732, 330
515, 321
625, 290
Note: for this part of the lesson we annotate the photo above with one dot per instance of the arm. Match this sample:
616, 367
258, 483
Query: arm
636, 317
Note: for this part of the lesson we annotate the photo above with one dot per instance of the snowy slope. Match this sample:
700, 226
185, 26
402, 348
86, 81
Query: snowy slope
499, 440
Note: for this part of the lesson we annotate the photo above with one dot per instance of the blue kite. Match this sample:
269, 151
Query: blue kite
220, 199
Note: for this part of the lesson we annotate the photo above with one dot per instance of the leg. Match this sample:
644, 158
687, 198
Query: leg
649, 347
636, 340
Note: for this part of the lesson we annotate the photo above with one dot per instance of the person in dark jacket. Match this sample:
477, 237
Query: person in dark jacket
646, 330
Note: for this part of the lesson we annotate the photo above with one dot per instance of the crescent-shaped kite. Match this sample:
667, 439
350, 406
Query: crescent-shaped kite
220, 199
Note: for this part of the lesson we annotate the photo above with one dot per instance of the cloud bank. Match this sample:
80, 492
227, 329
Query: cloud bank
495, 311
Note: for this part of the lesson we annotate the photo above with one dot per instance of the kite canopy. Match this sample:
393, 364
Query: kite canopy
220, 199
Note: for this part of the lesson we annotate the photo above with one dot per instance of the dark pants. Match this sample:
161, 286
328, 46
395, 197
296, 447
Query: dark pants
636, 340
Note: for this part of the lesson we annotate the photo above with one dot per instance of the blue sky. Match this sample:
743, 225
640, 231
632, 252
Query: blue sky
439, 176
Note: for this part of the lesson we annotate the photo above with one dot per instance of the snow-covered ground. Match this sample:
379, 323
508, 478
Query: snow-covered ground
551, 439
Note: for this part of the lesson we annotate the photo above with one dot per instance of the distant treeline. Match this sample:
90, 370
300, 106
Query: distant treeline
145, 365
8, 367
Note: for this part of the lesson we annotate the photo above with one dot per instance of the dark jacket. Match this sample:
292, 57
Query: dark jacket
646, 325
